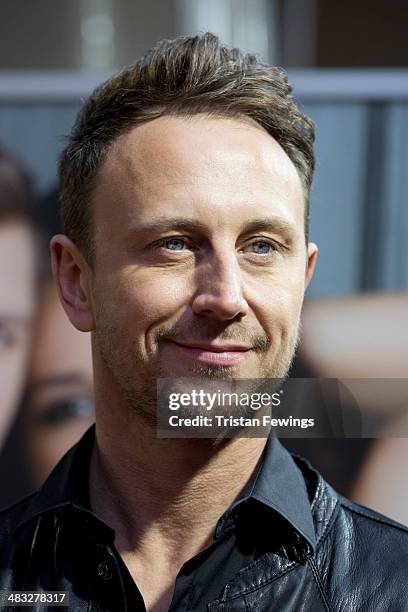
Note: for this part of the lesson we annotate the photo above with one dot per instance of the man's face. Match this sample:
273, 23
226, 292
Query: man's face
16, 311
200, 257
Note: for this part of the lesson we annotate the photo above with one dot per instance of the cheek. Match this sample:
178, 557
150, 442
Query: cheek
154, 297
278, 304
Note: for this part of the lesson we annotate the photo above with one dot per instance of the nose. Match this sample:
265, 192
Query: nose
219, 293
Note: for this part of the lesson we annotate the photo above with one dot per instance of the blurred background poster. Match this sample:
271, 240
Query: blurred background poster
348, 63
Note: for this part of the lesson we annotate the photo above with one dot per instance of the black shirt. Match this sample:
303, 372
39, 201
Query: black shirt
273, 511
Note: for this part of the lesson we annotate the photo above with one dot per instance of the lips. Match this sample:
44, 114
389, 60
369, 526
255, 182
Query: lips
213, 347
225, 354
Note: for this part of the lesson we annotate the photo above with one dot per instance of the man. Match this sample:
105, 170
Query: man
17, 287
185, 205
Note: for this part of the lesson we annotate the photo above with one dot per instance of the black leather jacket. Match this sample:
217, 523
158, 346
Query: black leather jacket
359, 562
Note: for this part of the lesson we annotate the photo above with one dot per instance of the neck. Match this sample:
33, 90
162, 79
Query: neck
159, 490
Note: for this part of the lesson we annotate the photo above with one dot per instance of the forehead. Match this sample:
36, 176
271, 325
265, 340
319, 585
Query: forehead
214, 164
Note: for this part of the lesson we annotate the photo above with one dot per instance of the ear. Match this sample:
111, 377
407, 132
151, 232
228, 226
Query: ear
72, 276
311, 262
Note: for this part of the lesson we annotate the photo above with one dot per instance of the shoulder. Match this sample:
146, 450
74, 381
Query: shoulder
335, 516
362, 560
378, 536
368, 518
370, 529
361, 556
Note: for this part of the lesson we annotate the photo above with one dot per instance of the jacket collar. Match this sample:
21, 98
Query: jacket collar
279, 484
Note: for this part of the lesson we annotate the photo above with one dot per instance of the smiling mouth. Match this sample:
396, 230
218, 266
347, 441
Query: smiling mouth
211, 353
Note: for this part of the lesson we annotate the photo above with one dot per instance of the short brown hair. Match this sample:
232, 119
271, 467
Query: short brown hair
184, 76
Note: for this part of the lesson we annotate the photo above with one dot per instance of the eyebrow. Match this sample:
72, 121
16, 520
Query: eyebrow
55, 381
165, 224
275, 225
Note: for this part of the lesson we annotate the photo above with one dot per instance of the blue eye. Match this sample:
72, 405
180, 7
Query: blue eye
174, 244
261, 247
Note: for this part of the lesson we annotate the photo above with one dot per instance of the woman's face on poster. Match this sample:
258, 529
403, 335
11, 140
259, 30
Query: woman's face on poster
59, 405
17, 303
